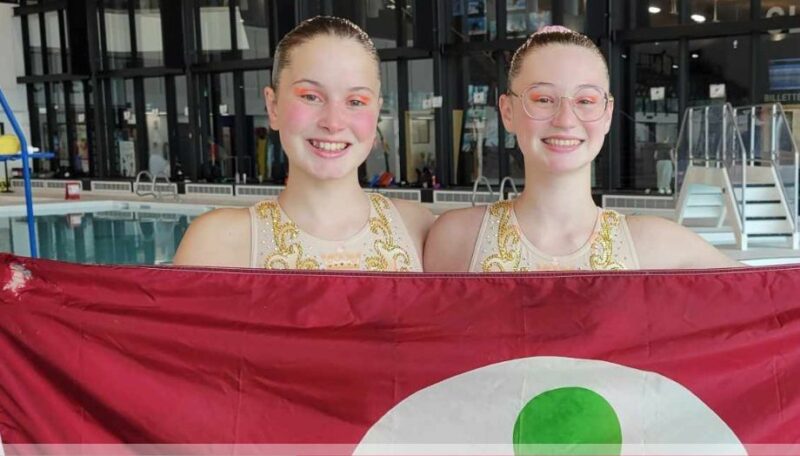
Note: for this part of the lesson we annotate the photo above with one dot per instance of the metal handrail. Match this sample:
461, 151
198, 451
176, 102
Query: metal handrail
485, 180
155, 192
513, 186
796, 169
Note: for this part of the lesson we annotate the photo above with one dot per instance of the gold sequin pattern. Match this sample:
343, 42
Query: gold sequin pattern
602, 257
502, 247
288, 252
387, 254
509, 254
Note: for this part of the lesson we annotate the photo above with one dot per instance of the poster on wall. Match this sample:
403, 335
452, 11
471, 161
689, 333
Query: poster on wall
127, 158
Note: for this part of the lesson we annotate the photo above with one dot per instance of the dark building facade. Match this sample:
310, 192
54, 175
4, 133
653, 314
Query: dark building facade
119, 86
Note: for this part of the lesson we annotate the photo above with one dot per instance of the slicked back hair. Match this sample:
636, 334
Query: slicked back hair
549, 36
320, 26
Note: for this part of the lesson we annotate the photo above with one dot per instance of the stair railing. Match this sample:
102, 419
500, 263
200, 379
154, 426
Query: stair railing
771, 144
709, 138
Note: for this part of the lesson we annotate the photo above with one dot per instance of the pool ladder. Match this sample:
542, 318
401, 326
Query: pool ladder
484, 180
155, 192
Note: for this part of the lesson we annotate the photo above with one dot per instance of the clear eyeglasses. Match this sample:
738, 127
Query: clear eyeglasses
542, 102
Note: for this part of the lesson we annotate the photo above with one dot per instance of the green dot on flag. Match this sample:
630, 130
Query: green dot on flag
567, 421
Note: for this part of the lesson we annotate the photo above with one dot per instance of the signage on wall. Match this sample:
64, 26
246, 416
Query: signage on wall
779, 11
656, 93
716, 91
223, 109
793, 97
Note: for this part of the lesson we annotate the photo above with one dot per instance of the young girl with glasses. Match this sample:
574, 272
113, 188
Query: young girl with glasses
560, 110
324, 101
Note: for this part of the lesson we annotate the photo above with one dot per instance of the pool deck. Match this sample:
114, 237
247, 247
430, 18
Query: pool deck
757, 254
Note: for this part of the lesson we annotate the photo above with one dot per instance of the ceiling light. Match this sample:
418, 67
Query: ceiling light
777, 36
654, 9
674, 66
699, 18
695, 55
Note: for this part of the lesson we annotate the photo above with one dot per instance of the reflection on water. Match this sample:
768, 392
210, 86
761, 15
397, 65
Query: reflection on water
111, 237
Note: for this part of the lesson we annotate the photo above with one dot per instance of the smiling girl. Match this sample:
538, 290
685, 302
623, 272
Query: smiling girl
559, 107
324, 102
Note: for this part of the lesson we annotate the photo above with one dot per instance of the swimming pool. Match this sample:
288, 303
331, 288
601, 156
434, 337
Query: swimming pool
102, 232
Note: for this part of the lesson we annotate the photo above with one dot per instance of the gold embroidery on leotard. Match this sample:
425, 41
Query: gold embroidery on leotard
288, 253
509, 253
602, 257
387, 254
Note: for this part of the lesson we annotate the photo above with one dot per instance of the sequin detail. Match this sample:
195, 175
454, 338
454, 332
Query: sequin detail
602, 257
509, 254
382, 244
502, 248
387, 254
288, 253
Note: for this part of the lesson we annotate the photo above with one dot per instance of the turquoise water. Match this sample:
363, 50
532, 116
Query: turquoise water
100, 233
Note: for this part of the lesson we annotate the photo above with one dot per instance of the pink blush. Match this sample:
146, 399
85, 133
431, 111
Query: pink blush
364, 123
297, 114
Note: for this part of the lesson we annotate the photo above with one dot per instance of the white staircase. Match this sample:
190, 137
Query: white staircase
732, 192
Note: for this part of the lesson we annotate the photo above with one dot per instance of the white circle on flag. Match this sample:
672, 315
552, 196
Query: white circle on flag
475, 412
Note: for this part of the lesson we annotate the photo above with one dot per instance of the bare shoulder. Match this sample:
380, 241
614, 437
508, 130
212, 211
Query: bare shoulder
451, 240
217, 238
663, 244
417, 219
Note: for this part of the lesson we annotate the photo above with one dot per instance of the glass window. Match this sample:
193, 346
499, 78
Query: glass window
215, 28
473, 20
156, 122
254, 42
777, 8
719, 71
260, 147
376, 17
655, 114
408, 22
657, 13
184, 155
149, 37
52, 30
41, 137
476, 151
80, 160
420, 125
117, 34
59, 143
524, 17
384, 157
35, 52
702, 11
219, 129
575, 14
122, 159
778, 75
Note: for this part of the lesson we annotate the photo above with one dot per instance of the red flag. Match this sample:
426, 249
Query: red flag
113, 354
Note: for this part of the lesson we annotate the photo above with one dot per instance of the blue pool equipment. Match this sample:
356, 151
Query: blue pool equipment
24, 154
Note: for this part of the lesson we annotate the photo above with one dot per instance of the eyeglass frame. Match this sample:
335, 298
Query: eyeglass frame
606, 96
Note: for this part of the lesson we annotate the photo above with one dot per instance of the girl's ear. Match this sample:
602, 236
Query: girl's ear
271, 103
507, 112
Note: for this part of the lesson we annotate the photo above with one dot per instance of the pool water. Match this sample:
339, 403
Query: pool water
107, 232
